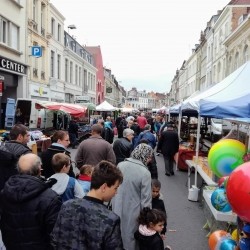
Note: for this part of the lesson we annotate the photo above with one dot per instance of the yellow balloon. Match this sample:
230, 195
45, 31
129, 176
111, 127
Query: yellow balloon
235, 234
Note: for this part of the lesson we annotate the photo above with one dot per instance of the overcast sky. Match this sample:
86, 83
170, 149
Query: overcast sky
143, 42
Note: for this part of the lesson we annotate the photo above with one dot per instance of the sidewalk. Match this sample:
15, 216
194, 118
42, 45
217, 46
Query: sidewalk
185, 218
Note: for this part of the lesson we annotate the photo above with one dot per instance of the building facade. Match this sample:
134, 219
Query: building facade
13, 49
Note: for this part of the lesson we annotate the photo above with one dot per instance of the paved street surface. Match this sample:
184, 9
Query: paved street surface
185, 218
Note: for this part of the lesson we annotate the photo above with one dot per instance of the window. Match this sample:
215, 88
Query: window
80, 76
59, 30
4, 30
43, 60
85, 84
14, 37
52, 63
245, 54
52, 26
66, 70
76, 75
71, 72
34, 10
58, 66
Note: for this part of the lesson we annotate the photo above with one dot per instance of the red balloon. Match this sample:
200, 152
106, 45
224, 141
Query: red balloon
238, 191
222, 180
215, 237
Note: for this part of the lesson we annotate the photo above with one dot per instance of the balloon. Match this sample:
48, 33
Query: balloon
225, 155
219, 200
215, 237
226, 243
234, 234
238, 191
221, 181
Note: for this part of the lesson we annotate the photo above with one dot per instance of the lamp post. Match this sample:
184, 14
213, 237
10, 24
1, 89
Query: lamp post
72, 27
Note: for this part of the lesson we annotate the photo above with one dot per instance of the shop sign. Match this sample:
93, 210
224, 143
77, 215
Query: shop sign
12, 65
39, 91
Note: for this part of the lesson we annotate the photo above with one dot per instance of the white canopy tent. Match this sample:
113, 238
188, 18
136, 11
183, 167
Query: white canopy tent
129, 110
105, 106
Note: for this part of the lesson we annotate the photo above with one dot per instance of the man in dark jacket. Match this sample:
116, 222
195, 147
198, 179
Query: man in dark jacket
29, 208
123, 146
168, 145
11, 151
87, 223
73, 133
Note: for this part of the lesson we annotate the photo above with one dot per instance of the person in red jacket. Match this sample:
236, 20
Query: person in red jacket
142, 121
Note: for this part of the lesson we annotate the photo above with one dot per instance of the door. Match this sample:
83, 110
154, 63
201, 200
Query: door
10, 113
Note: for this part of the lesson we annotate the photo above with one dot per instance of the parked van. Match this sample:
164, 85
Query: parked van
218, 128
25, 112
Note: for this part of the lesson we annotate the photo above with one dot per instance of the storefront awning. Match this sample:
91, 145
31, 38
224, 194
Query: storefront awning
69, 108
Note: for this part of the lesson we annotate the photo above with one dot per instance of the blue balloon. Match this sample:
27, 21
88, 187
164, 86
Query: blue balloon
219, 200
226, 244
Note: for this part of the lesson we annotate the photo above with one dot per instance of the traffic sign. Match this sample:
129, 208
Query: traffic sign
36, 51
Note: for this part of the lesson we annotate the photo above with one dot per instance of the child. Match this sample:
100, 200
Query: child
151, 223
85, 177
67, 187
157, 202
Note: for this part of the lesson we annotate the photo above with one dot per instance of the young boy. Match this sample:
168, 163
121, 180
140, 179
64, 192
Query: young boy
157, 202
67, 187
87, 223
85, 177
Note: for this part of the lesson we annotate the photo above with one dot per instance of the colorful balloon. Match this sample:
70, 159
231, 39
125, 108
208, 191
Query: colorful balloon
238, 191
225, 155
221, 181
219, 200
226, 243
215, 237
234, 234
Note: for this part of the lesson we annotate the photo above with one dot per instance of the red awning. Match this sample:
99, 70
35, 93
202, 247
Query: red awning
70, 108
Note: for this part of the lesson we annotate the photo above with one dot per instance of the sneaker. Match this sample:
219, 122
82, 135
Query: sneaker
167, 248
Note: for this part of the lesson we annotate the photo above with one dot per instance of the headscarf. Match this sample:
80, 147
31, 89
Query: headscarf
142, 153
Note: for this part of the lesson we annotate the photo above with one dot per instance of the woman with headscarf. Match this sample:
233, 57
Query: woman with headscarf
134, 193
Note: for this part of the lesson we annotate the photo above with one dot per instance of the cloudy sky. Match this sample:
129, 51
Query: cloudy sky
143, 42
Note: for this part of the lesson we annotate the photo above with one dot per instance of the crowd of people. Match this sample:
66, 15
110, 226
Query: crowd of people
112, 201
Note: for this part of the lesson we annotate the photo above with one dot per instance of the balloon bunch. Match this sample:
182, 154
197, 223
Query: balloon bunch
229, 161
221, 240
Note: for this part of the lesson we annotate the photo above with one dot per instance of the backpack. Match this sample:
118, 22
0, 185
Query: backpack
70, 190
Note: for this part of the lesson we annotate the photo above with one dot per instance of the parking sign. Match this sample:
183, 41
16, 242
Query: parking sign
36, 51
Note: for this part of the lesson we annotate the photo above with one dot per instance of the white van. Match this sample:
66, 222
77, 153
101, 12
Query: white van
218, 128
29, 115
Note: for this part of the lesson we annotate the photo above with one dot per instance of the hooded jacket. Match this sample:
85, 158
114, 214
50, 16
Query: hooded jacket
29, 210
9, 155
47, 156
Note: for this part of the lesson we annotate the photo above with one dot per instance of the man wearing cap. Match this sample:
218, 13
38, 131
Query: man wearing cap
168, 145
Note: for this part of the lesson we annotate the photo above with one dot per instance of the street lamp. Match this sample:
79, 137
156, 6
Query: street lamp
72, 27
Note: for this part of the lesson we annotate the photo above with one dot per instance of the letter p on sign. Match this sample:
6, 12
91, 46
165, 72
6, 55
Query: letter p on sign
37, 51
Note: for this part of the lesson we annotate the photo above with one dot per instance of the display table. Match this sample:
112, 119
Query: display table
205, 175
216, 219
185, 153
219, 216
